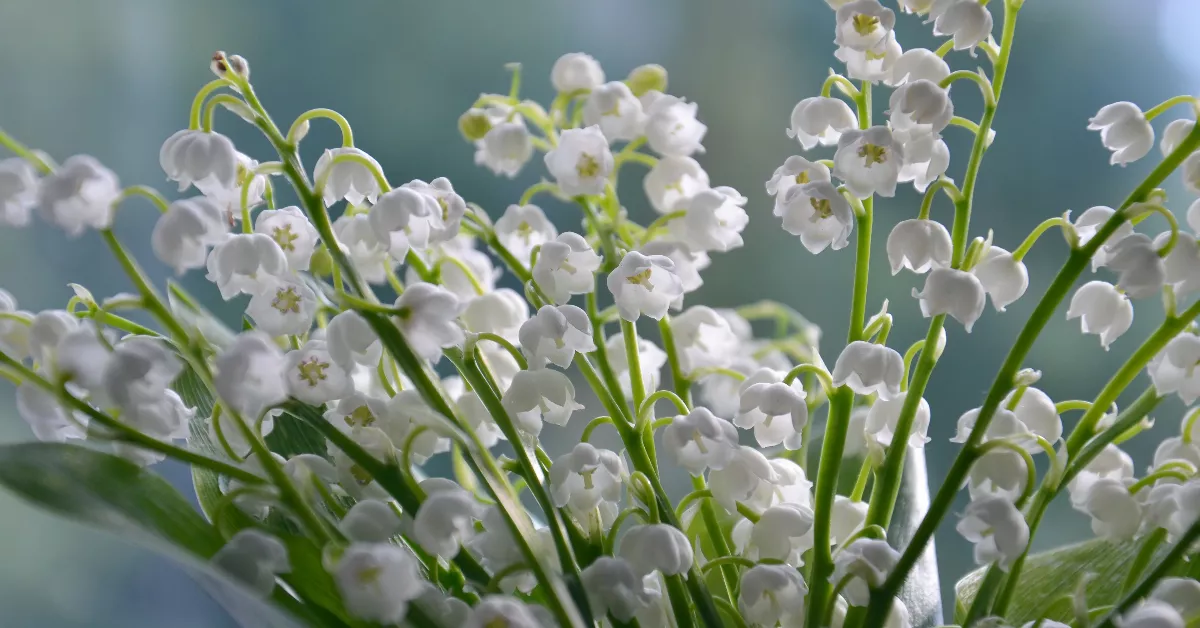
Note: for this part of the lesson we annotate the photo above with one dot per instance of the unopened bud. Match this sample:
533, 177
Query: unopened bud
649, 77
474, 124
219, 64
321, 262
238, 64
1027, 377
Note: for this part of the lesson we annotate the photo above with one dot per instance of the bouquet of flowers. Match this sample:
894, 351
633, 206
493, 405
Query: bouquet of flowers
308, 427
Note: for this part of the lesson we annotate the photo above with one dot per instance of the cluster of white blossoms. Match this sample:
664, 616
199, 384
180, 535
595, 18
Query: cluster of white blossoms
415, 327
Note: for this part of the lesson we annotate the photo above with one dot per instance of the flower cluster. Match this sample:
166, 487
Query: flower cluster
416, 326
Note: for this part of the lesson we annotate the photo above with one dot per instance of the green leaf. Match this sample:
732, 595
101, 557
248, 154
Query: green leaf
1048, 576
112, 493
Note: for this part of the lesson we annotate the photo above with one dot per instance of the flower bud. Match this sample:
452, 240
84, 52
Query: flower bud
474, 124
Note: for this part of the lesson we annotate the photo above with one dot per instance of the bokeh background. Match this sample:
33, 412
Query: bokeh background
115, 78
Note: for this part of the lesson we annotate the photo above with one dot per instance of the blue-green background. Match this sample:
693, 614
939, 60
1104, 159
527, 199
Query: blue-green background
113, 78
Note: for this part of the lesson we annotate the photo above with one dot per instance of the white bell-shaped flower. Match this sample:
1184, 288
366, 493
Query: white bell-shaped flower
205, 159
370, 521
14, 334
473, 268
510, 612
997, 528
869, 161
955, 292
474, 412
446, 206
48, 419
542, 394
18, 191
139, 369
369, 254
818, 213
884, 416
644, 284
498, 551
614, 587
863, 24
82, 357
1090, 222
748, 477
688, 264
1116, 513
673, 179
651, 358
1141, 272
920, 105
1183, 594
377, 581
1037, 413
617, 112
918, 245
1000, 471
313, 377
1004, 278
245, 263
1182, 264
584, 477
869, 369
846, 518
783, 532
700, 440
183, 235
772, 595
446, 520
250, 374
656, 547
427, 315
505, 148
789, 486
926, 157
352, 478
868, 562
795, 170
1174, 449
703, 339
1151, 614
1111, 463
500, 312
523, 228
351, 179
554, 334
283, 307
672, 127
79, 194
1103, 310
253, 558
47, 329
967, 21
821, 120
775, 411
871, 65
292, 231
576, 71
581, 162
1173, 370
1004, 425
714, 220
352, 341
407, 413
566, 266
1124, 130
1174, 135
918, 64
1191, 173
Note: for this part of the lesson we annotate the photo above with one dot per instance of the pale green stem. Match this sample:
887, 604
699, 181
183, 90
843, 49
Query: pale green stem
343, 124
1037, 232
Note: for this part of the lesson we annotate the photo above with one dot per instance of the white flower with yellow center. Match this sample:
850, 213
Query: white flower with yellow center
869, 161
644, 284
313, 376
581, 162
283, 307
523, 228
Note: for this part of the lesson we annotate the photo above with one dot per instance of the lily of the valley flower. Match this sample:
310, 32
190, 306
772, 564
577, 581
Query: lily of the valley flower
352, 341
1174, 369
576, 71
246, 263
967, 21
818, 213
581, 162
617, 112
866, 562
997, 528
644, 284
1141, 271
1003, 277
427, 314
656, 547
918, 64
821, 120
868, 369
445, 521
253, 558
1103, 310
377, 581
250, 374
565, 267
869, 161
885, 415
350, 179
673, 179
523, 228
918, 245
714, 220
554, 334
205, 159
18, 191
182, 236
284, 306
1124, 130
79, 194
313, 376
584, 477
863, 24
542, 394
613, 587
920, 105
700, 441
955, 292
772, 595
775, 411
672, 127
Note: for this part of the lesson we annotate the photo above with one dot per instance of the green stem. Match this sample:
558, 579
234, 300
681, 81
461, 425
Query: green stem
1159, 109
941, 184
636, 384
1177, 554
144, 191
1037, 232
343, 124
832, 446
198, 101
1143, 559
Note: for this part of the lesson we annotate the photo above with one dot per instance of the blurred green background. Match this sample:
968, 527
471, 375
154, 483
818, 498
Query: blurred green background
114, 78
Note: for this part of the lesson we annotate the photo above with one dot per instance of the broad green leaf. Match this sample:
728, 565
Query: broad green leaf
110, 492
1048, 576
